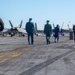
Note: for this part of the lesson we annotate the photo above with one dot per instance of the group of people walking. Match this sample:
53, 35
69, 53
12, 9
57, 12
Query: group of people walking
47, 31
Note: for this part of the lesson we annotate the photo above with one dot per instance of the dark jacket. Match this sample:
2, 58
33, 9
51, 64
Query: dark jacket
57, 30
74, 29
29, 27
48, 29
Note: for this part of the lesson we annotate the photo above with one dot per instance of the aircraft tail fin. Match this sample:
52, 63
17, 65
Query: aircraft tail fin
11, 24
21, 23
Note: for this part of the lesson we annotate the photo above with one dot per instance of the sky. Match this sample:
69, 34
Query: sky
60, 12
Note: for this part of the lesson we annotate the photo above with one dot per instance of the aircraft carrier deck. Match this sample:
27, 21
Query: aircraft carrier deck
19, 58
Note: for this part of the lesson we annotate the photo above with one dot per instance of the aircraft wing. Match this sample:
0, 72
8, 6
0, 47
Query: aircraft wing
22, 30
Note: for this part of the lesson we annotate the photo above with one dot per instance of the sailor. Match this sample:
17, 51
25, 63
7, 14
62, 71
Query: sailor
30, 31
48, 31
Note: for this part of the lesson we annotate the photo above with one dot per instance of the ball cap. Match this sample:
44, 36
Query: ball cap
47, 20
30, 18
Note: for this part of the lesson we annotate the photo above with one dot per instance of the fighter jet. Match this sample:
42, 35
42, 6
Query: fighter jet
17, 30
13, 30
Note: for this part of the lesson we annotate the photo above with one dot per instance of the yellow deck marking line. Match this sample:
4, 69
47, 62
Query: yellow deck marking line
13, 54
2, 55
3, 60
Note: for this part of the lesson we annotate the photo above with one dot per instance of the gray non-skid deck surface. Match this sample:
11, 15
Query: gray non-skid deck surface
40, 66
31, 59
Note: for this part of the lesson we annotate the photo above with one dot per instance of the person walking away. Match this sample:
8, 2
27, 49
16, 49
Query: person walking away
74, 32
57, 31
48, 31
30, 31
